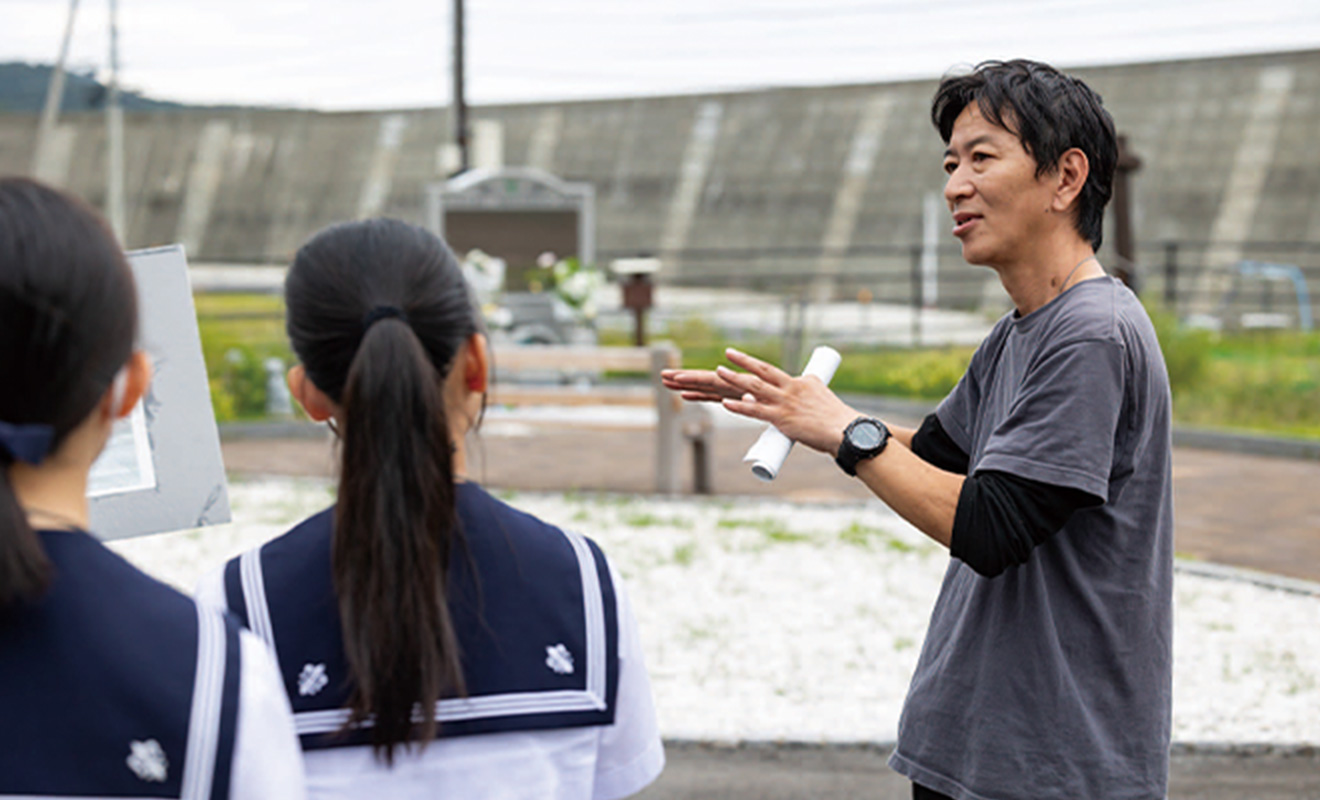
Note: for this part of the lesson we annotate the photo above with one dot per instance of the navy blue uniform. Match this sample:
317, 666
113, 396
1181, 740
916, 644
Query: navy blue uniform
114, 685
533, 608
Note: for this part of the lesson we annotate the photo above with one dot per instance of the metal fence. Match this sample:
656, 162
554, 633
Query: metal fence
1234, 284
1230, 285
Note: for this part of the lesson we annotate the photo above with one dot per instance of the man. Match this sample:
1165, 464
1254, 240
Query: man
1046, 671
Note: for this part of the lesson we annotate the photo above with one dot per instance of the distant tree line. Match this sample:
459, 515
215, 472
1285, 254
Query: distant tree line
23, 88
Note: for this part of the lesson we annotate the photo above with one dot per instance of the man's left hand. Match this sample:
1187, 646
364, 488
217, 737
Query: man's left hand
803, 409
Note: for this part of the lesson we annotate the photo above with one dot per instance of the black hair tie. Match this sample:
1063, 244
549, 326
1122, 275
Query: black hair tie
382, 312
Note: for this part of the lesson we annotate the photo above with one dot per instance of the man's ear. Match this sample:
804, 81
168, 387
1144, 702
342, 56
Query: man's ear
1070, 177
313, 400
476, 364
129, 386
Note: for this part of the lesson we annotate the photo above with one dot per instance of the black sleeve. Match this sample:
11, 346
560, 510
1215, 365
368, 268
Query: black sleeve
934, 445
1002, 517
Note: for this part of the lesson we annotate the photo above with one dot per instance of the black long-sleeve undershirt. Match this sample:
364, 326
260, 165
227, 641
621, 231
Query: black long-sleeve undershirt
1001, 517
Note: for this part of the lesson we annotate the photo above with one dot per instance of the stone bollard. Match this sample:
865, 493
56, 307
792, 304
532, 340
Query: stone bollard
278, 401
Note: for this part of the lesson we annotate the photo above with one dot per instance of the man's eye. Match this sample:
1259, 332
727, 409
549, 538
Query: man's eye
949, 167
980, 157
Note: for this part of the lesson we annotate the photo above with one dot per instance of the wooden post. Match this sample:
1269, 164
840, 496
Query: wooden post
1124, 245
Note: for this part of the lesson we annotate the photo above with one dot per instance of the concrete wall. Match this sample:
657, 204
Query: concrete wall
821, 173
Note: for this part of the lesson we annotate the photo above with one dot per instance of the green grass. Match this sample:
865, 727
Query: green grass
239, 333
684, 554
646, 519
1254, 381
1262, 381
772, 529
866, 537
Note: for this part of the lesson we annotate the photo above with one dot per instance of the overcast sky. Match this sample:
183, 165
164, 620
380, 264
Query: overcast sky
343, 54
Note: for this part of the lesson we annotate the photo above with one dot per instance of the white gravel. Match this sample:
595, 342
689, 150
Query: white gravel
773, 621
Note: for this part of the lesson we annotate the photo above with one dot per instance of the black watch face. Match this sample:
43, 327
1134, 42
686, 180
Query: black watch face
865, 436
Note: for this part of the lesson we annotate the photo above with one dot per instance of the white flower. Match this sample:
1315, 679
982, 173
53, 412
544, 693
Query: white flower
147, 760
546, 260
559, 659
312, 679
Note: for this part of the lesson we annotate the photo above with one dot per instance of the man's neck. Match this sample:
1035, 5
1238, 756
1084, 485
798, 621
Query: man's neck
1036, 281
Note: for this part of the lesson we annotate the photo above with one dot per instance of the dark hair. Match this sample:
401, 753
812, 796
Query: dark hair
68, 320
377, 311
1050, 113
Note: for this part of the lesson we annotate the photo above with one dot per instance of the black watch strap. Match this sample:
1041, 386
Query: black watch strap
865, 437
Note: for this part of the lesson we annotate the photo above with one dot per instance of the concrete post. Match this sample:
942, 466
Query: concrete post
50, 112
668, 433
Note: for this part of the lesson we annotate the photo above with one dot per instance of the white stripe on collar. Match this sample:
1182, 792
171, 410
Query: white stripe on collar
254, 596
208, 697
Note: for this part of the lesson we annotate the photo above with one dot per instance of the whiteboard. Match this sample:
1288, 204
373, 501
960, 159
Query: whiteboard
162, 470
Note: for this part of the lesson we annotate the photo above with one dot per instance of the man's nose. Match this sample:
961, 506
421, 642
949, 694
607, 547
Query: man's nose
956, 187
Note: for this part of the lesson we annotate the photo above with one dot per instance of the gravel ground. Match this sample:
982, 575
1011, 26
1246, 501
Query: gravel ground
771, 621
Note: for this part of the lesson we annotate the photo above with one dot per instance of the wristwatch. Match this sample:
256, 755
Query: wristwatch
865, 437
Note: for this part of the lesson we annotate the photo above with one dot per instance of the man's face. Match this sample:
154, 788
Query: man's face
999, 206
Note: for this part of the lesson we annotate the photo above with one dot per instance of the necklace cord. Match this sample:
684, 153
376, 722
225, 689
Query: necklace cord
1063, 286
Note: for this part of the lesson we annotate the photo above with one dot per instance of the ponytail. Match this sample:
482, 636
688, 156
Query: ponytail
395, 530
24, 568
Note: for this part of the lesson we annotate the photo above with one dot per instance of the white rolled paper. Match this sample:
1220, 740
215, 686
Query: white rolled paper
769, 452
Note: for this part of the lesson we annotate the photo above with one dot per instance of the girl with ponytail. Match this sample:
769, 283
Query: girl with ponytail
111, 684
434, 641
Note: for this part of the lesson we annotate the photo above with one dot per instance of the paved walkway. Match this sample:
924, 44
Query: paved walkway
790, 772
1249, 511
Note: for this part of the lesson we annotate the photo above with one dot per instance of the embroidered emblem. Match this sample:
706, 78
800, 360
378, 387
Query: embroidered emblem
147, 760
559, 659
312, 679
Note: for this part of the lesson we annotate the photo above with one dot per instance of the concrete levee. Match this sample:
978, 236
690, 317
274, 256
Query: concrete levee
827, 179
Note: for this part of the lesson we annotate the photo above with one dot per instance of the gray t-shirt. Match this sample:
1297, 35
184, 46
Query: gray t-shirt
1053, 679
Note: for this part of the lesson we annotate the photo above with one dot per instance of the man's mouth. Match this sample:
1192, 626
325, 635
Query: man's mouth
963, 222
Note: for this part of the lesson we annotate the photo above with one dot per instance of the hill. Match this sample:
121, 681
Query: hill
23, 88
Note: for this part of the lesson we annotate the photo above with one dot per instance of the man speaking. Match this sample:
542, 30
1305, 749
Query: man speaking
1047, 667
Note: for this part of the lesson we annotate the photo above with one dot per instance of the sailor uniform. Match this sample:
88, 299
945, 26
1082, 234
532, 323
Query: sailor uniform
114, 685
554, 677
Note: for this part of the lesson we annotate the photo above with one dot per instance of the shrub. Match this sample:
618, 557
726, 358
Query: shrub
1187, 351
927, 374
239, 333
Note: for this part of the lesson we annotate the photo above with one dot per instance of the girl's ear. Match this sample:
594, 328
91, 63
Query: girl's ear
129, 386
313, 400
476, 364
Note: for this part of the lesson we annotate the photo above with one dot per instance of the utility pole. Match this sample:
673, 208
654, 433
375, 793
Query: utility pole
54, 96
458, 106
114, 120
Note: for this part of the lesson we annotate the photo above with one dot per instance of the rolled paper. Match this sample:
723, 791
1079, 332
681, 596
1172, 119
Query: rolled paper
770, 450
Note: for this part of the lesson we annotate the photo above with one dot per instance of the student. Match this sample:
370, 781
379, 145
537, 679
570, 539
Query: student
434, 641
1047, 666
111, 684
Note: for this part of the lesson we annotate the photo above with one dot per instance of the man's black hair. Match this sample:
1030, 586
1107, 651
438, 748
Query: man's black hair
1050, 113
